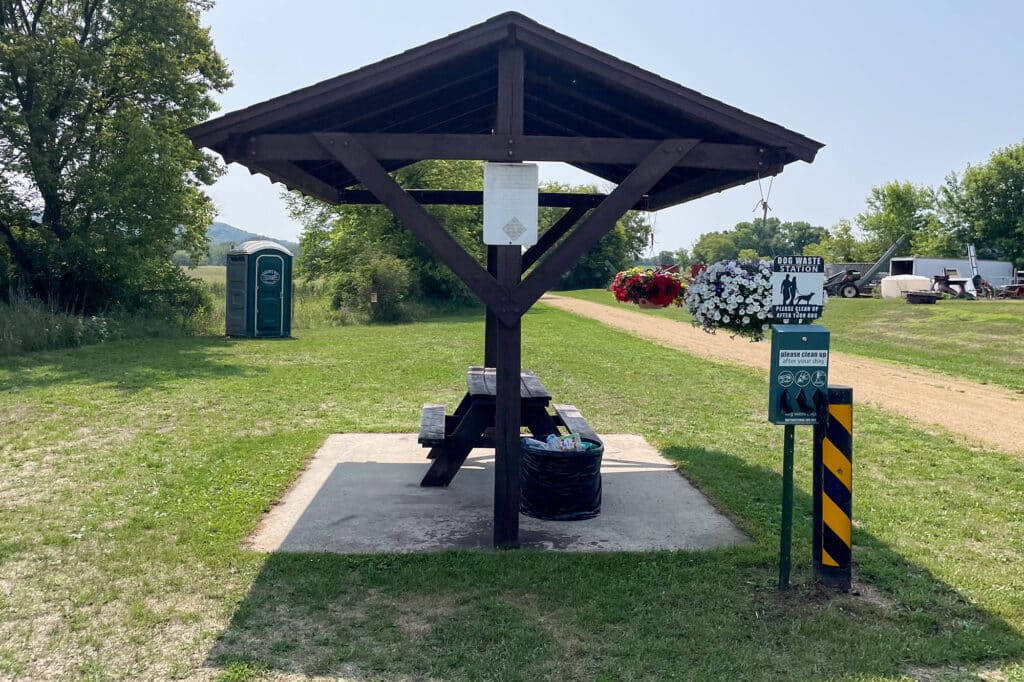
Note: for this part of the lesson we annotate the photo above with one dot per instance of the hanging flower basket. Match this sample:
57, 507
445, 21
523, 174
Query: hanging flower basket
649, 288
734, 296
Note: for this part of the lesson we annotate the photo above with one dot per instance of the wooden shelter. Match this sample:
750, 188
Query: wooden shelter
508, 89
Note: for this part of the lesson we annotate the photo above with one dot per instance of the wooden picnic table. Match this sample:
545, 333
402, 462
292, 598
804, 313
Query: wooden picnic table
452, 437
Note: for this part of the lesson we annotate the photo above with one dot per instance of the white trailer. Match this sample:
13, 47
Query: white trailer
998, 273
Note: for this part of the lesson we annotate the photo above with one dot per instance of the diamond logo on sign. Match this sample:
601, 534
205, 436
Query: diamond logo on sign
514, 229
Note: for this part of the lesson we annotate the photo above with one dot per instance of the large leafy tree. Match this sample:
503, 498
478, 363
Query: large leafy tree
897, 209
97, 183
986, 205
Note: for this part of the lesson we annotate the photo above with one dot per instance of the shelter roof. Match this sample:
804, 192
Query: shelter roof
449, 86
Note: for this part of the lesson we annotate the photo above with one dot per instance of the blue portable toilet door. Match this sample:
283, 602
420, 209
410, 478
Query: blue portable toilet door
269, 295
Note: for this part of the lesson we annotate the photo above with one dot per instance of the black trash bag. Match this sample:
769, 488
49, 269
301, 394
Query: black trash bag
561, 486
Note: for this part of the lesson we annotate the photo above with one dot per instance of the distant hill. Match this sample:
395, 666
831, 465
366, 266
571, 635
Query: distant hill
223, 238
223, 233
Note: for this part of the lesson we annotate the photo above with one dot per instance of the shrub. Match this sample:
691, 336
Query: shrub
377, 288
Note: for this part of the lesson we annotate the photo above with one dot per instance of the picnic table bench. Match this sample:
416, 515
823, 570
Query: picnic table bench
452, 437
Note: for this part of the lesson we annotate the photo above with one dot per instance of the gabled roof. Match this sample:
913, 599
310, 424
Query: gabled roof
570, 89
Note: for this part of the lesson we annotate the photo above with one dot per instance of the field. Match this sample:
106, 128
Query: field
978, 340
132, 473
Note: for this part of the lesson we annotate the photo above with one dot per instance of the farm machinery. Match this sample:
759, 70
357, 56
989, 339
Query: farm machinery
853, 283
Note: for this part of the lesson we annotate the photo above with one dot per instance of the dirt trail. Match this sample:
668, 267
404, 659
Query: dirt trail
988, 416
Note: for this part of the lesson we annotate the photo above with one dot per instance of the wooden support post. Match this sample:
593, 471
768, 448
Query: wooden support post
508, 333
507, 417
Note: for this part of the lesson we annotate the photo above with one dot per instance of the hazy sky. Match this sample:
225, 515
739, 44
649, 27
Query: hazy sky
895, 90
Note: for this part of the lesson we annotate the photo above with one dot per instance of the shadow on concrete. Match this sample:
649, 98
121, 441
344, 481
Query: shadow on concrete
612, 615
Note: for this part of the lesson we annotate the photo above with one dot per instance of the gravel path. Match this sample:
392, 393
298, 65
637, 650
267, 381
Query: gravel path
987, 416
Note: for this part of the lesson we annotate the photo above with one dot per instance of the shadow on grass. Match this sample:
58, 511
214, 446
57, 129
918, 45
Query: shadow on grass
660, 615
144, 364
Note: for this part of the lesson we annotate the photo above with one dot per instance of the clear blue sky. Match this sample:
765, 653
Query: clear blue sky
896, 90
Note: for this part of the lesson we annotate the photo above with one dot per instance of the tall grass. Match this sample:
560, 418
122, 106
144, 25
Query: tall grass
28, 325
311, 306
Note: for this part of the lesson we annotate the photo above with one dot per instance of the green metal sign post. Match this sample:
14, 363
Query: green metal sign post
786, 535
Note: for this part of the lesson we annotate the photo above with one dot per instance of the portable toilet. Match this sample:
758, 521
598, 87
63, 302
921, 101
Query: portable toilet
259, 290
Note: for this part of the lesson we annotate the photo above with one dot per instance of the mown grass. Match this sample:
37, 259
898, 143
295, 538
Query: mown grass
131, 473
978, 340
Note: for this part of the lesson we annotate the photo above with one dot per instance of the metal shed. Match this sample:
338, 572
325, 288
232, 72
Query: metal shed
259, 290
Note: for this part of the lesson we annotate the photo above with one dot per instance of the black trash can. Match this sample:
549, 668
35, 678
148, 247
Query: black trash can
561, 486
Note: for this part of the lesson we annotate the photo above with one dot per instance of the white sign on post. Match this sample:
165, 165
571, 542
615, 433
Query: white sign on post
510, 204
797, 287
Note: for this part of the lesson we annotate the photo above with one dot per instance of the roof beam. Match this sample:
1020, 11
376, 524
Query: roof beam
596, 150
700, 187
459, 197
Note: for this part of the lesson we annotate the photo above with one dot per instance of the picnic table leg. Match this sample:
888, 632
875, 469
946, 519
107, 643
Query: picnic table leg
454, 418
449, 458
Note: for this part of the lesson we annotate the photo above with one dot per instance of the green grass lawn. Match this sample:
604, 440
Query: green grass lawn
978, 340
211, 274
132, 472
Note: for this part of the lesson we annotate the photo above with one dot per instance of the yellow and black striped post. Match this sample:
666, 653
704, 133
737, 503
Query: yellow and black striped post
833, 491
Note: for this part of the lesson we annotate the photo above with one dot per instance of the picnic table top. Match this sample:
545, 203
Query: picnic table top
481, 382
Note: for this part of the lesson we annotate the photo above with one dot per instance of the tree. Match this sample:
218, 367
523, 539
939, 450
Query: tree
343, 239
988, 204
839, 245
896, 209
98, 185
712, 247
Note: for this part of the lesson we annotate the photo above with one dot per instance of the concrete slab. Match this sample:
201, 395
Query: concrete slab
360, 494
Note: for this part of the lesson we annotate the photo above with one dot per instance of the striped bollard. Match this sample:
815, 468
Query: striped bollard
833, 491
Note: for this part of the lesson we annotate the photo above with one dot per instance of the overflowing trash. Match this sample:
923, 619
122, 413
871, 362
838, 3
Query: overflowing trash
571, 443
561, 478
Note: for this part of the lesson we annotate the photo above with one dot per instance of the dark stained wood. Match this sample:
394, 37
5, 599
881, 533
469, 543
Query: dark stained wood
510, 147
552, 235
350, 86
414, 217
293, 177
507, 415
511, 71
448, 460
600, 221
432, 425
701, 187
569, 417
508, 339
482, 382
458, 197
629, 78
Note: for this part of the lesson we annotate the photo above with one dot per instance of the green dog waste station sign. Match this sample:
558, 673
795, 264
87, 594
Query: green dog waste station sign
799, 373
